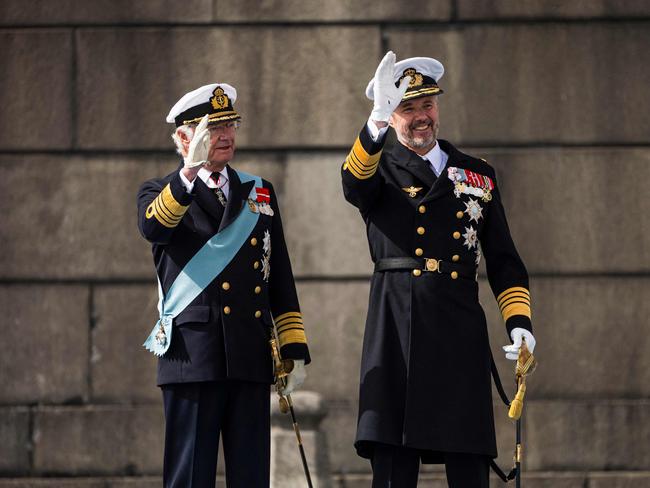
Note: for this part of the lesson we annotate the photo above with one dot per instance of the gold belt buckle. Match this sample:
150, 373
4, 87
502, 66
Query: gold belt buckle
431, 265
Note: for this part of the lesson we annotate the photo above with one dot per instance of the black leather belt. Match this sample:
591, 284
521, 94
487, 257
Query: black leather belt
427, 265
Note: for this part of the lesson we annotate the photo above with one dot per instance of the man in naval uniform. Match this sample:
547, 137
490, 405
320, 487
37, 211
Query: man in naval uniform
225, 279
425, 386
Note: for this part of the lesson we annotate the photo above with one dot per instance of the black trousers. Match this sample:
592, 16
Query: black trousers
398, 467
196, 414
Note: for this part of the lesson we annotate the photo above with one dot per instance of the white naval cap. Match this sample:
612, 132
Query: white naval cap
424, 72
215, 99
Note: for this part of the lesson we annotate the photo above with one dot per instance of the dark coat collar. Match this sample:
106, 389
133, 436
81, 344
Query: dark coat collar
238, 194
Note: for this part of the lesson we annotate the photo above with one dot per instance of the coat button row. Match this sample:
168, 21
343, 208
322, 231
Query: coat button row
456, 235
420, 230
226, 310
225, 285
253, 242
417, 272
419, 252
258, 290
258, 314
455, 258
256, 264
459, 214
422, 209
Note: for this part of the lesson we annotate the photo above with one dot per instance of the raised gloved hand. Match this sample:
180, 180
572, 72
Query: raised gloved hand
512, 351
197, 152
295, 377
386, 95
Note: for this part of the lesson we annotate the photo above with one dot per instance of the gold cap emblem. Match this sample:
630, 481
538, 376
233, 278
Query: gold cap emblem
416, 78
220, 100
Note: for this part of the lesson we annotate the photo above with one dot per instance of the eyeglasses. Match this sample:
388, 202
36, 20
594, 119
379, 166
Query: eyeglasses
221, 127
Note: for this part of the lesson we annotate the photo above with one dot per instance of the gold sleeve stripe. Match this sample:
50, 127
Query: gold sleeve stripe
170, 203
512, 290
512, 300
164, 213
361, 164
284, 328
516, 309
153, 211
292, 337
166, 209
286, 316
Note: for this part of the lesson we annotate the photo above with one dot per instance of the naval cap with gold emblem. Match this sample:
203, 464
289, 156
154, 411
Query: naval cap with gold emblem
216, 100
424, 72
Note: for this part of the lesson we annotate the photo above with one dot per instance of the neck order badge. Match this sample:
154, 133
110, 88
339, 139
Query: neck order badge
200, 271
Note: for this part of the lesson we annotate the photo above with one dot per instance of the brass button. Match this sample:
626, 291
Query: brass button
456, 235
258, 290
422, 209
459, 214
226, 310
253, 241
420, 230
455, 258
417, 272
258, 314
225, 285
454, 275
256, 264
419, 252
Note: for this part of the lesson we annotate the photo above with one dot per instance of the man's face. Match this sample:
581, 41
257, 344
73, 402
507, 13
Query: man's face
416, 123
222, 142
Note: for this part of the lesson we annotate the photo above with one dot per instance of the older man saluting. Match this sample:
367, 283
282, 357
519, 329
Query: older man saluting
425, 393
224, 280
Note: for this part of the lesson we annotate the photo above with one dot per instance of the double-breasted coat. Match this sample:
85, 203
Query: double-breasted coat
224, 332
425, 373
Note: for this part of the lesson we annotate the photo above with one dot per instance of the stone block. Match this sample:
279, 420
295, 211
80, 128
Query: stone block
340, 424
86, 213
54, 483
326, 236
124, 482
532, 95
99, 440
596, 329
619, 480
286, 464
66, 12
15, 445
36, 67
601, 435
285, 78
122, 370
332, 11
335, 317
581, 9
591, 221
45, 332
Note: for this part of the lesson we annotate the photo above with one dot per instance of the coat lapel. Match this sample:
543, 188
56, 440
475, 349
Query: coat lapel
443, 184
207, 200
411, 162
238, 194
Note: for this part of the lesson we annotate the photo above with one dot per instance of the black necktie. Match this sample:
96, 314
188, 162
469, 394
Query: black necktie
218, 191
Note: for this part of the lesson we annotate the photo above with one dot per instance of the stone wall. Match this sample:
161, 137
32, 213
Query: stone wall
553, 94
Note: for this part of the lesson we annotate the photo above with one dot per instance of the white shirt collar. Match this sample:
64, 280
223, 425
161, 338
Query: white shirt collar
204, 174
437, 158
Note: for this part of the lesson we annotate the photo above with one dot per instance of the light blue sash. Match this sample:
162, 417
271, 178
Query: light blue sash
201, 270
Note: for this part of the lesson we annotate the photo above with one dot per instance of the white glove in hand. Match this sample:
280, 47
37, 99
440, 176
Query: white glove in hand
197, 153
512, 351
387, 95
296, 377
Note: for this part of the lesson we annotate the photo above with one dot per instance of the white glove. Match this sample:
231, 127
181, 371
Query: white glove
512, 351
387, 95
296, 377
197, 152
